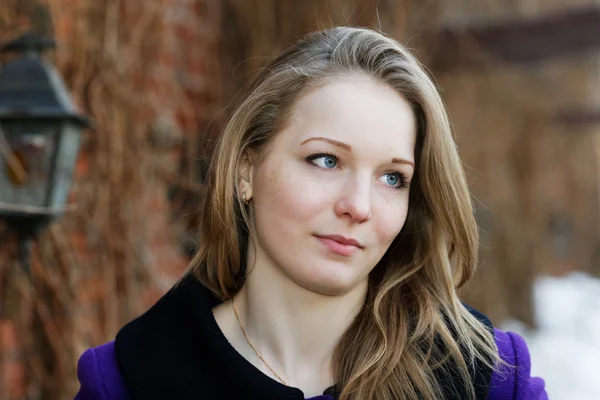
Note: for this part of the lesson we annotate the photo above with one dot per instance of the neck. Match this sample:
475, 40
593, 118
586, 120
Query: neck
295, 330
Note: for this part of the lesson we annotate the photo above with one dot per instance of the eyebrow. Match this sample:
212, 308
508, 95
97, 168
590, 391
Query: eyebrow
349, 148
402, 161
330, 141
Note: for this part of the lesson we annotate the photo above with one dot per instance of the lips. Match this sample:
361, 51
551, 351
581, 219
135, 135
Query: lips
340, 245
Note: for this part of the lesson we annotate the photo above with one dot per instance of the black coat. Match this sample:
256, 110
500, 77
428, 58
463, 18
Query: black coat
176, 350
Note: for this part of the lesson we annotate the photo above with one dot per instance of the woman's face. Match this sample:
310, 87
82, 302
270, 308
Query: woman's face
332, 192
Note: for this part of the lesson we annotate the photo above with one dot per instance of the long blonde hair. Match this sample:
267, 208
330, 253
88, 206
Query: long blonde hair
412, 323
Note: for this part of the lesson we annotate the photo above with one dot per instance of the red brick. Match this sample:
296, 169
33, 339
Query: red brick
15, 375
79, 241
82, 167
196, 64
64, 27
8, 339
184, 33
167, 59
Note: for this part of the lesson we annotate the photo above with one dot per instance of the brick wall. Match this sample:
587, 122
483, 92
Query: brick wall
192, 37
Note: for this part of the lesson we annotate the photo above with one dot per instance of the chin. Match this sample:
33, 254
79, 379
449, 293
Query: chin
331, 284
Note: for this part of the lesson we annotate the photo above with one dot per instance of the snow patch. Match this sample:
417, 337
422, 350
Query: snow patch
565, 348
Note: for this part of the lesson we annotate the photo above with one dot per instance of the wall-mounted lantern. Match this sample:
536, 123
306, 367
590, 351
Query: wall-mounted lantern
40, 135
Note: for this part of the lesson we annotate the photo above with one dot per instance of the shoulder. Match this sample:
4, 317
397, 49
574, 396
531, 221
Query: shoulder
99, 375
513, 379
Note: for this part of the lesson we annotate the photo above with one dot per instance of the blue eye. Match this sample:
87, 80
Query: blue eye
395, 180
326, 161
392, 180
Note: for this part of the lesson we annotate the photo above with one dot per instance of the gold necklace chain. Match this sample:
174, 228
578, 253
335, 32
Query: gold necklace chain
254, 348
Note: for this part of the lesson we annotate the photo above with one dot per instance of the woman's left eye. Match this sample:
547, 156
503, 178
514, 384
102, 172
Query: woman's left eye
395, 180
326, 161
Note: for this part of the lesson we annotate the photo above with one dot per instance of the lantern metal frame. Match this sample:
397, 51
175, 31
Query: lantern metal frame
32, 92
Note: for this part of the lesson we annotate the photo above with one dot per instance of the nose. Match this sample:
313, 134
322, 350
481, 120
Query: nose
355, 200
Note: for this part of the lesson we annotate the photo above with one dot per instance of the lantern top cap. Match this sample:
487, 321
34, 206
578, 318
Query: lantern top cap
30, 87
29, 41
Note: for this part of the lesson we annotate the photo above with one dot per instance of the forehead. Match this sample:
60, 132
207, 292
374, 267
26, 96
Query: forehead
358, 111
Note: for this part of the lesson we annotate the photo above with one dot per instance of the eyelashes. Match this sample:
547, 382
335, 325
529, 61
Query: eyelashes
324, 157
328, 161
401, 180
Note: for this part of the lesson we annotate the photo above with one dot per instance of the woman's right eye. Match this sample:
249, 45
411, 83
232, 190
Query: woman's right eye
325, 161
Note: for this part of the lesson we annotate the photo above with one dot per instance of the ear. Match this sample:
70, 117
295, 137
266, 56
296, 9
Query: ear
245, 177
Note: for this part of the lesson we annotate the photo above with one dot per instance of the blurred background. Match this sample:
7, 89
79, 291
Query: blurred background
521, 79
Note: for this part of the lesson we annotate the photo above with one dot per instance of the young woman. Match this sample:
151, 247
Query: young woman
336, 229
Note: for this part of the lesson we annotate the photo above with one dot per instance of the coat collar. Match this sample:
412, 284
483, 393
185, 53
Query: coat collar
177, 350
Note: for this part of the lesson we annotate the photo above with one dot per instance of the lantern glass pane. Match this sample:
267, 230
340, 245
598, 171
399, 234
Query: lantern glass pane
66, 157
27, 149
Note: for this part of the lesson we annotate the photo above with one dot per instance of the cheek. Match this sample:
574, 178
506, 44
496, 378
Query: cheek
286, 199
389, 221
